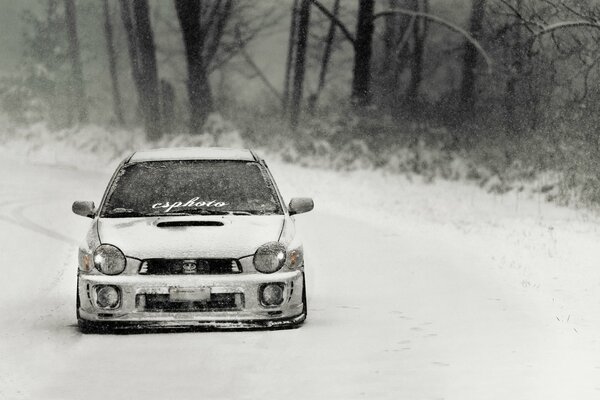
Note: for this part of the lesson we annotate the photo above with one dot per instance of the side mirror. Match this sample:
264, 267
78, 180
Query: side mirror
84, 208
299, 205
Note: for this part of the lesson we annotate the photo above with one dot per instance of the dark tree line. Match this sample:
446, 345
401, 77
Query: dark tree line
203, 24
412, 31
389, 64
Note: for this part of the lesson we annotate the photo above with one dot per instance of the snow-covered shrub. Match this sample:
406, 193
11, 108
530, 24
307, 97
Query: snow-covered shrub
354, 155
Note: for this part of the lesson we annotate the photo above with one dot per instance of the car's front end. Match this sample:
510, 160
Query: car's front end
189, 265
186, 274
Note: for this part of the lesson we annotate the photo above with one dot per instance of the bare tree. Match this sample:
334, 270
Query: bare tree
199, 94
290, 56
202, 26
361, 81
467, 95
300, 62
314, 98
537, 38
142, 55
362, 44
396, 38
112, 64
132, 46
148, 72
76, 81
419, 37
390, 33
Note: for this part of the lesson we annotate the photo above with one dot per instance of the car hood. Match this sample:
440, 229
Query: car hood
190, 237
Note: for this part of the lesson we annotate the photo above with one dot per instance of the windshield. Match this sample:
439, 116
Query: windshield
191, 187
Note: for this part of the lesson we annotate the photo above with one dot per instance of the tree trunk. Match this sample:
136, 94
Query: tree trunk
200, 97
361, 82
390, 34
420, 34
221, 17
131, 44
467, 89
314, 98
148, 91
300, 62
395, 42
290, 57
167, 105
76, 82
513, 95
112, 64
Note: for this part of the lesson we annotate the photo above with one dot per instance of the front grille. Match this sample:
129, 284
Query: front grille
209, 266
217, 302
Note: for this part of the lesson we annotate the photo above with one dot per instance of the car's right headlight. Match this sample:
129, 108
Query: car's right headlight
269, 257
109, 260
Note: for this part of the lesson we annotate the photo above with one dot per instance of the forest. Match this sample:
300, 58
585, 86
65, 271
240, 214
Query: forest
500, 92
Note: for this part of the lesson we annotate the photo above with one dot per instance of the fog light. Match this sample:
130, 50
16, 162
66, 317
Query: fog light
272, 294
107, 296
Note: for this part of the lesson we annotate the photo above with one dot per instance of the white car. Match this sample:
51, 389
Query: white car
191, 237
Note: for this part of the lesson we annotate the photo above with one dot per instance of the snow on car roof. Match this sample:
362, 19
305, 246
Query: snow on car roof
193, 153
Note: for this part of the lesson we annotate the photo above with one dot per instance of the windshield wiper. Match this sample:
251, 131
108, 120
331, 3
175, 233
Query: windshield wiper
251, 212
123, 213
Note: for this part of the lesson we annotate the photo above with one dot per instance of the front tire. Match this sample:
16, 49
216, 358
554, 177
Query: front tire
86, 327
83, 325
304, 314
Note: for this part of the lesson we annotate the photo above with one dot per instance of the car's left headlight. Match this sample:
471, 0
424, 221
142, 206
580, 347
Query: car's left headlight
109, 260
269, 257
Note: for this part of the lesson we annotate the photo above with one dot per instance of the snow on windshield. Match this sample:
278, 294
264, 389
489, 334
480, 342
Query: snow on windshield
191, 186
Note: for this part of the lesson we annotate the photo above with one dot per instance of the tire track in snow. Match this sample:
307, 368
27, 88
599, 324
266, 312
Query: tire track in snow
17, 216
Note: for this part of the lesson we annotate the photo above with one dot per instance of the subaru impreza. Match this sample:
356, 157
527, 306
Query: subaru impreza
191, 237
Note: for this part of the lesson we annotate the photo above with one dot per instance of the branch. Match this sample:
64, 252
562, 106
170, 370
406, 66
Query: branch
443, 22
405, 37
217, 32
335, 20
255, 67
519, 16
207, 22
566, 24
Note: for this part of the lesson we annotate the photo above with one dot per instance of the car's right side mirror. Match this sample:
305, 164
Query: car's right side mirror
299, 205
84, 208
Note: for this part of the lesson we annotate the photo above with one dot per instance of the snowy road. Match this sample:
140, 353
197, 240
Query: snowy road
451, 294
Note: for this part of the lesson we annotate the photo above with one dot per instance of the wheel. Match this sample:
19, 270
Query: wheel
305, 307
88, 326
304, 315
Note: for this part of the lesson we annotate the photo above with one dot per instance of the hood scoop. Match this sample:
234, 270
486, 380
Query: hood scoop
177, 224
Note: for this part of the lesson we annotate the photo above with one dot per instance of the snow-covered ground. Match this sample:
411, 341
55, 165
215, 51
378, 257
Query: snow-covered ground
416, 291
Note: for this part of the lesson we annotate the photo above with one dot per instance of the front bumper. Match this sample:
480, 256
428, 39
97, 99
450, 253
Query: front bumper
248, 313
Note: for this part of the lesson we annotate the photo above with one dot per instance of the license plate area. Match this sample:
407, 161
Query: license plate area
178, 294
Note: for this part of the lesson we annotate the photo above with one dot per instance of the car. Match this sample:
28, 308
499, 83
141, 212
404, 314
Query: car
191, 237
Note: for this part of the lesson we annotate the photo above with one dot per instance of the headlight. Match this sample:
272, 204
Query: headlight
269, 257
109, 260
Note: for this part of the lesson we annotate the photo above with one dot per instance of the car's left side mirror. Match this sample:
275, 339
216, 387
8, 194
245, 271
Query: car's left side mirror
299, 205
84, 208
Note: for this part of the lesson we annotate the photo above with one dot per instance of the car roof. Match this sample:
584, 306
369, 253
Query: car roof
193, 153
